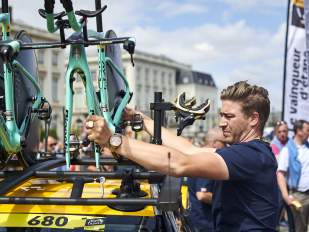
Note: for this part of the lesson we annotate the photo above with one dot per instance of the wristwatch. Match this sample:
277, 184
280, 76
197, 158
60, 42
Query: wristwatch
114, 142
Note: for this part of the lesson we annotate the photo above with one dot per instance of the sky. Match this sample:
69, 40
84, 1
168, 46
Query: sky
233, 40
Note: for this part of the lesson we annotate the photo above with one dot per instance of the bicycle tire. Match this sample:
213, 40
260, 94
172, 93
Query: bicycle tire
115, 84
23, 90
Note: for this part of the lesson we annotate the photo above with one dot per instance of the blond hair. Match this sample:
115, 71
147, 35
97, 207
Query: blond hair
251, 98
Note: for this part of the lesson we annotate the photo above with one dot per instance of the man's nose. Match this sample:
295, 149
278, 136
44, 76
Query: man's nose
222, 122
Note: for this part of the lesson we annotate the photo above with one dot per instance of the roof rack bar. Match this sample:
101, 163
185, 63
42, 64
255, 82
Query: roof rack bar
5, 174
81, 201
110, 161
19, 178
152, 177
103, 161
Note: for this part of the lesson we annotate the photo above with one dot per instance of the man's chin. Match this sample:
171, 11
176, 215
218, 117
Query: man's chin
229, 140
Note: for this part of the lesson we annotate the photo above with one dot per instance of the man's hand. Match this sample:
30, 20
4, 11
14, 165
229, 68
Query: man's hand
99, 132
289, 200
128, 114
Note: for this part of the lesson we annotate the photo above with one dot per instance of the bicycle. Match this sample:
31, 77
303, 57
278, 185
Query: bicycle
20, 97
97, 101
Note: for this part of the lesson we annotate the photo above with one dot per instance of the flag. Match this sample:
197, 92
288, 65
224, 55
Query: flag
295, 93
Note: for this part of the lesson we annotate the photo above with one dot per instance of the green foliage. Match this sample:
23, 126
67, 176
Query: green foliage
52, 133
77, 132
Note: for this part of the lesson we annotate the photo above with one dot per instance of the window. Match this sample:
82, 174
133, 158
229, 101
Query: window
54, 121
146, 98
79, 125
42, 86
55, 59
185, 80
55, 89
146, 74
138, 97
41, 57
162, 78
170, 96
154, 76
170, 79
138, 73
79, 100
93, 75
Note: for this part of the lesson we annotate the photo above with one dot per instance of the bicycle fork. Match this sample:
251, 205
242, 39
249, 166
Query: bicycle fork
78, 63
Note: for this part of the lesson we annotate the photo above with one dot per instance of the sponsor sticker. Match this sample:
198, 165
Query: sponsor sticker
104, 107
80, 222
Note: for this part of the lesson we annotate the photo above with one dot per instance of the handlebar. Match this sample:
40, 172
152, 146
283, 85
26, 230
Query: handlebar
9, 52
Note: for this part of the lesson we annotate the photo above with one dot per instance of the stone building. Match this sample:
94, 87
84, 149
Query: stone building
151, 74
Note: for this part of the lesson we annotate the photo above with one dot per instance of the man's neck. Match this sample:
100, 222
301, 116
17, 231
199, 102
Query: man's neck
252, 135
298, 141
283, 142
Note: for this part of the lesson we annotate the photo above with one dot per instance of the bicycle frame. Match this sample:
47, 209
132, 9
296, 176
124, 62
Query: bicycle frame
10, 134
78, 63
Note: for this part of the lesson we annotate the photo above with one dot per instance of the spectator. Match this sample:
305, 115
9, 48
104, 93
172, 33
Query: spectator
278, 142
200, 189
51, 146
294, 161
105, 168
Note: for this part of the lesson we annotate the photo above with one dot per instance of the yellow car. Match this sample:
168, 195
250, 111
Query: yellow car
36, 199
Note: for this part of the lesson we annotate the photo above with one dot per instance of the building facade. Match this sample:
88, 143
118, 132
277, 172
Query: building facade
154, 74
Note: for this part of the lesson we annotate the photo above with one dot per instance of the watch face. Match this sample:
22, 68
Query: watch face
115, 140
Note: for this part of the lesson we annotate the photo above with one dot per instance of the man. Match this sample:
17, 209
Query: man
200, 189
278, 142
294, 160
246, 194
51, 146
280, 139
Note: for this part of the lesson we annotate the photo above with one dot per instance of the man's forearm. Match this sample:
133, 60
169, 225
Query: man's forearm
155, 157
205, 197
169, 139
282, 184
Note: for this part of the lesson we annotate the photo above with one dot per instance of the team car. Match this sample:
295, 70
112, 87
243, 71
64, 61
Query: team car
36, 199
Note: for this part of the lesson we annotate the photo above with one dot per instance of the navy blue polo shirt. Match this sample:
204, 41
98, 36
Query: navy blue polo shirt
248, 201
201, 215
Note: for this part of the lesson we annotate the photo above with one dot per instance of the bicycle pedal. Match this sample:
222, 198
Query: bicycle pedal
44, 113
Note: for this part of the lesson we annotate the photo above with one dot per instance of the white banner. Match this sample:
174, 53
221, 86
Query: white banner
296, 91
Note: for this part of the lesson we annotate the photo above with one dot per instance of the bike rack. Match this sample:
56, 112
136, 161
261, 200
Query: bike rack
13, 179
169, 198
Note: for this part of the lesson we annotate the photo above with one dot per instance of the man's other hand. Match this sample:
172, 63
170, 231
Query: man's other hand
128, 114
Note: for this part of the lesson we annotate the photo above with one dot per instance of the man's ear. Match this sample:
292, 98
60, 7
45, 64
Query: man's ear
254, 119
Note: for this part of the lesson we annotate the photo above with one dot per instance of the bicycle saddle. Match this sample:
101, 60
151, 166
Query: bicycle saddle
56, 16
90, 14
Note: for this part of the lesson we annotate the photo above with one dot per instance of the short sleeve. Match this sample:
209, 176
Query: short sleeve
243, 162
283, 164
275, 149
204, 185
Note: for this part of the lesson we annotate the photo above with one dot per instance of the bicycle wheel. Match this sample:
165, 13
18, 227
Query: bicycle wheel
115, 84
23, 90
